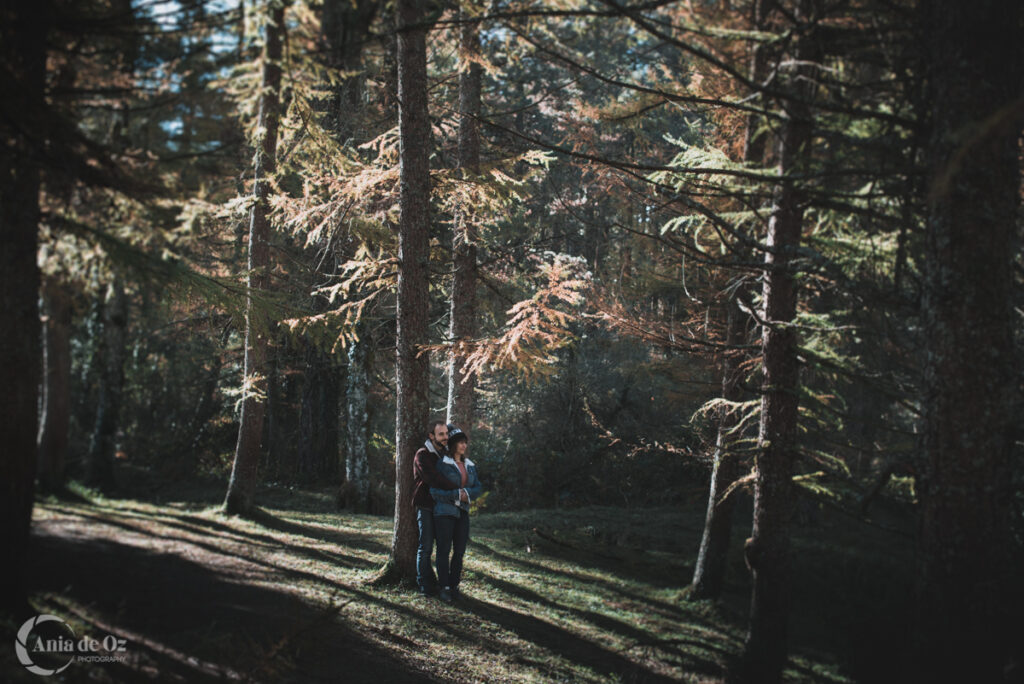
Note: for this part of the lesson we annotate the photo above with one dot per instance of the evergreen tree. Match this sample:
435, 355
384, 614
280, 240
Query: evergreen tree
972, 64
242, 487
412, 359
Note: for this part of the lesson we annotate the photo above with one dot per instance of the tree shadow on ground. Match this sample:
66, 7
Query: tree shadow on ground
273, 522
689, 661
666, 609
185, 621
201, 526
573, 647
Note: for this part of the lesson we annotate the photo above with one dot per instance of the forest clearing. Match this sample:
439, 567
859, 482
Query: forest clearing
585, 595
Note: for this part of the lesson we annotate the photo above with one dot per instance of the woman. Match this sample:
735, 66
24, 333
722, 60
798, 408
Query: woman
451, 512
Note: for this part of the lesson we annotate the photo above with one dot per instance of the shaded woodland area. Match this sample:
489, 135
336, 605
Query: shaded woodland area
728, 296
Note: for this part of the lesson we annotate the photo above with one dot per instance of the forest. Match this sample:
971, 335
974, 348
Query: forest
727, 296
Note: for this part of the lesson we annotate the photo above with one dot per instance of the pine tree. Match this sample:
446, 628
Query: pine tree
973, 62
23, 33
412, 359
242, 487
767, 551
463, 325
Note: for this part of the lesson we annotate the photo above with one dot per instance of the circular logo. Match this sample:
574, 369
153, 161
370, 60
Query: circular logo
41, 648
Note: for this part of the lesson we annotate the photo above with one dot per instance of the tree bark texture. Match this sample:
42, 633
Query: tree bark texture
99, 461
55, 420
23, 74
709, 573
242, 487
463, 328
727, 467
767, 550
357, 461
412, 365
346, 28
973, 105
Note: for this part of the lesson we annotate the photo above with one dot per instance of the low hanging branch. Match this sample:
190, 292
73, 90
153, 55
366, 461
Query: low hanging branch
536, 327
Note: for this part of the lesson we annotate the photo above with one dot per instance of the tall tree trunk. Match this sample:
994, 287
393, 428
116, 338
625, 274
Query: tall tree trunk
709, 572
767, 550
242, 487
99, 461
23, 73
965, 587
462, 386
56, 415
272, 455
240, 32
412, 378
357, 462
346, 27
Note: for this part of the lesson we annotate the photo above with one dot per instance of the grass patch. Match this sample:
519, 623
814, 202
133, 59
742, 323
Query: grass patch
588, 595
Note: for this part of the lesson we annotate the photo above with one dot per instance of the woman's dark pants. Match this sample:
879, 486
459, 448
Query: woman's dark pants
452, 537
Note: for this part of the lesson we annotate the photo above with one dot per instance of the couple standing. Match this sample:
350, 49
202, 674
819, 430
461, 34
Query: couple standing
444, 483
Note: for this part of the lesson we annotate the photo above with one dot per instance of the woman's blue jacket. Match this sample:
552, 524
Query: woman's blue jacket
447, 501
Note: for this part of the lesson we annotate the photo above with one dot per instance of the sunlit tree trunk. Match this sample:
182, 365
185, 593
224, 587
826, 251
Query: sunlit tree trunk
462, 386
23, 73
99, 461
412, 378
967, 592
55, 420
767, 551
242, 486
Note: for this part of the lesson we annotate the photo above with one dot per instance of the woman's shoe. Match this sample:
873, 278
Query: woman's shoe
445, 595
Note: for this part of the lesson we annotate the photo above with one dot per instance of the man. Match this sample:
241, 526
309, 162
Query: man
425, 476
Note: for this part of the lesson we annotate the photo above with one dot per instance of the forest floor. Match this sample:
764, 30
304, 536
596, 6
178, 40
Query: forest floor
585, 595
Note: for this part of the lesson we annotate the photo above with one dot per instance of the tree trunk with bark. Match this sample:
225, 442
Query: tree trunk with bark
463, 328
23, 31
727, 467
709, 573
242, 487
346, 27
357, 462
55, 421
412, 378
99, 461
967, 590
767, 551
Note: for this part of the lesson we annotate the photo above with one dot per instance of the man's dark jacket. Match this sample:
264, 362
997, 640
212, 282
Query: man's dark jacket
425, 476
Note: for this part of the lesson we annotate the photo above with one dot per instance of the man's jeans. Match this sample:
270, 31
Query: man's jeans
425, 578
451, 532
